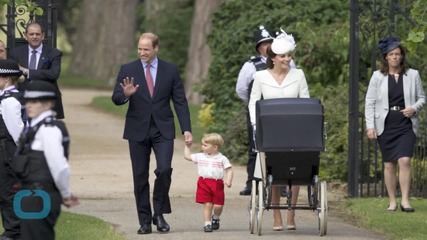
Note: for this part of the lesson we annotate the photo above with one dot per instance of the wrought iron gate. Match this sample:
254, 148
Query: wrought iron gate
18, 17
370, 21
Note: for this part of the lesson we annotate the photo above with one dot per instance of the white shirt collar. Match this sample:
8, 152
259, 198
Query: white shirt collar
10, 88
40, 117
153, 64
263, 58
38, 49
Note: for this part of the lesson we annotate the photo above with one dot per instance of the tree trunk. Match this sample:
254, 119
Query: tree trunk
199, 54
105, 37
153, 11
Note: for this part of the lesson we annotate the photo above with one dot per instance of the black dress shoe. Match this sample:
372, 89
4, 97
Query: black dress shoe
409, 209
246, 191
160, 222
145, 229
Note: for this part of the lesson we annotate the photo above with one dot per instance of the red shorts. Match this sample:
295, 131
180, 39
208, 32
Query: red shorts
210, 191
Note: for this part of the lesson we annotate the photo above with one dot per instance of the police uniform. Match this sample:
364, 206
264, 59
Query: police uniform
245, 78
11, 124
243, 90
42, 164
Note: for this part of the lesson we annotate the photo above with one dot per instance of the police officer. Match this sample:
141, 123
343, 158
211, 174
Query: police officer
11, 125
263, 39
42, 162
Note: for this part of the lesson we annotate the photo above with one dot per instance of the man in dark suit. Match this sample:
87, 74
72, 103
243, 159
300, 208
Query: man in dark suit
149, 84
44, 66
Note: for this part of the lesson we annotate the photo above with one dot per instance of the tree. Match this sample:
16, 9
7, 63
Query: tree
170, 20
68, 17
199, 54
105, 37
321, 31
416, 39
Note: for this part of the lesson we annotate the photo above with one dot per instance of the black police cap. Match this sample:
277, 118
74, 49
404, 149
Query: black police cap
9, 68
40, 90
262, 35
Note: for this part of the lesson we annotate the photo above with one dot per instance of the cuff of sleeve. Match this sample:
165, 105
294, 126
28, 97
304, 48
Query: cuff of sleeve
65, 194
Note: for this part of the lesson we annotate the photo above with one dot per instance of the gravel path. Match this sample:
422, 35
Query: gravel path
102, 178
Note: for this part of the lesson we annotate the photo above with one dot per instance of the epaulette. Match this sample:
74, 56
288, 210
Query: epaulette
49, 121
255, 59
6, 94
17, 95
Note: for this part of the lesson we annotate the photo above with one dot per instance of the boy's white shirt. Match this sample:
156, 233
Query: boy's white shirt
211, 166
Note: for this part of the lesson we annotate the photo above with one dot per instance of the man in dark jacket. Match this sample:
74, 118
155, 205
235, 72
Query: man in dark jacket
149, 84
39, 62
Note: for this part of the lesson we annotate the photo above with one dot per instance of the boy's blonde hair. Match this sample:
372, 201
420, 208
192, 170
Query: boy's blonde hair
213, 138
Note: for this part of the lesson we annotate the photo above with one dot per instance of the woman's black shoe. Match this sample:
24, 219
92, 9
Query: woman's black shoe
406, 209
246, 191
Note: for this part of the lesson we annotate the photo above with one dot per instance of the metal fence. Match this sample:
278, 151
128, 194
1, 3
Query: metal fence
18, 17
371, 20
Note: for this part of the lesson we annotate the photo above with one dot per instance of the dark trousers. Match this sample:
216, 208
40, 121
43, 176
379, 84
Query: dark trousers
250, 166
140, 157
11, 223
40, 229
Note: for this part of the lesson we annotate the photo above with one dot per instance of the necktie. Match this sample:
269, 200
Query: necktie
149, 78
33, 60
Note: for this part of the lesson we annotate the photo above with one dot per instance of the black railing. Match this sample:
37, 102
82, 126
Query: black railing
18, 17
371, 20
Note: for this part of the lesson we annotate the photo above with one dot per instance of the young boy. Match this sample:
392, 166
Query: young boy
211, 165
41, 163
11, 126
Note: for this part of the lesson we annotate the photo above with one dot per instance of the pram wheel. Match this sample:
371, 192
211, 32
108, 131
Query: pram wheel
289, 138
260, 206
252, 207
323, 209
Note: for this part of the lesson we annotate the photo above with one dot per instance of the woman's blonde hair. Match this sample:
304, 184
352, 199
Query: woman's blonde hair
213, 138
16, 79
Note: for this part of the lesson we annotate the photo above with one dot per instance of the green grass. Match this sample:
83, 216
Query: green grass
105, 104
75, 226
72, 226
371, 213
71, 81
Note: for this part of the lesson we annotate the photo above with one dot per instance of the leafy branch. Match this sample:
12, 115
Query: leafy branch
30, 5
417, 34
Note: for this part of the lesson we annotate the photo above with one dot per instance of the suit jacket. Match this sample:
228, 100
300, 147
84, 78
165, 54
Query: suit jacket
376, 101
168, 86
293, 86
48, 69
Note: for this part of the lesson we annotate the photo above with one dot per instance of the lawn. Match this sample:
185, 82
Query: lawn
76, 226
371, 213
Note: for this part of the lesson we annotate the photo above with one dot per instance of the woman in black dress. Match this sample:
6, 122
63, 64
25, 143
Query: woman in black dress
394, 97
